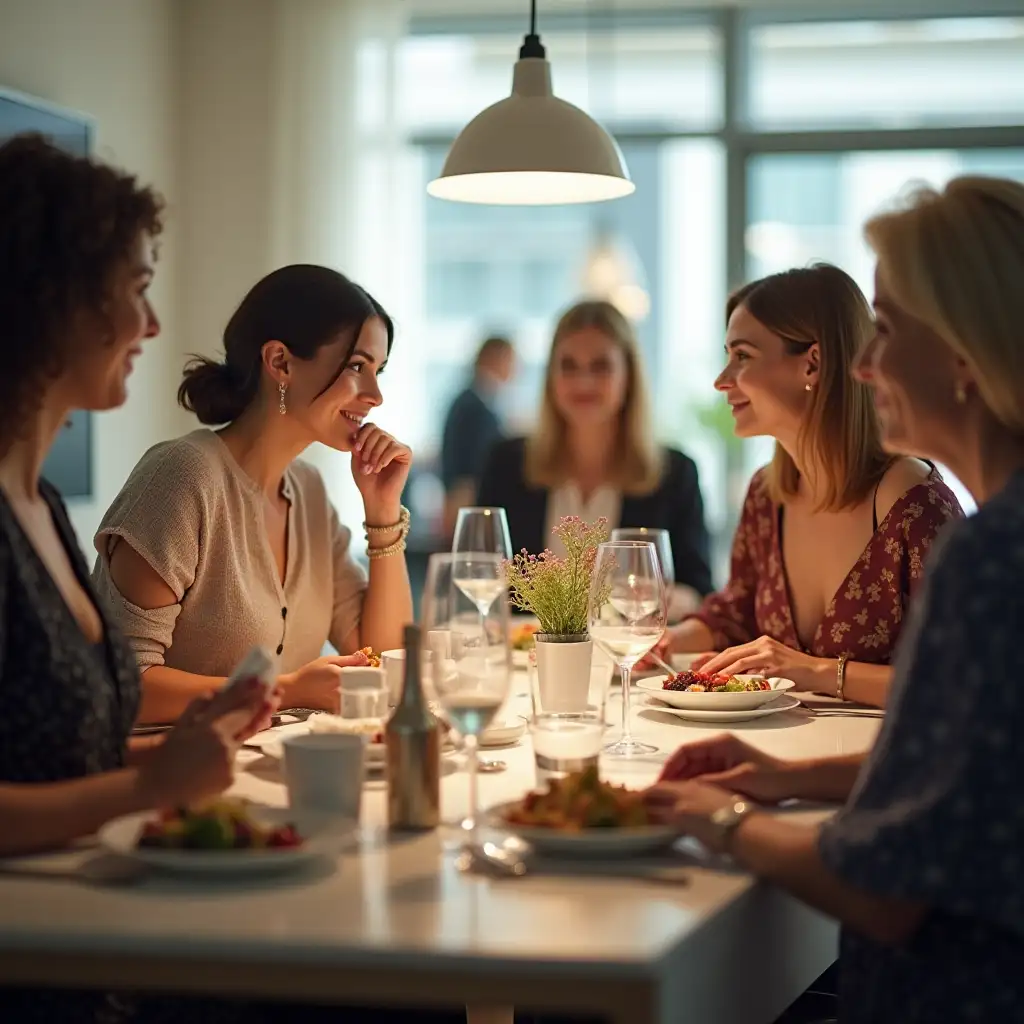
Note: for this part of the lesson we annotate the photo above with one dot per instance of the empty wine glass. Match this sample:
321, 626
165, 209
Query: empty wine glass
627, 615
472, 683
662, 542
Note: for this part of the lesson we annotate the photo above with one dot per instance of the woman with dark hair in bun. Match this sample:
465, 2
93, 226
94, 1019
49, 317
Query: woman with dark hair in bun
223, 539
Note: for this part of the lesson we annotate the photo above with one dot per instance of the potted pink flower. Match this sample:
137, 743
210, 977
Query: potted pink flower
556, 589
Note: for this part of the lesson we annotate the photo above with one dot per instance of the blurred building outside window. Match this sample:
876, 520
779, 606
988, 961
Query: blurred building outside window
758, 141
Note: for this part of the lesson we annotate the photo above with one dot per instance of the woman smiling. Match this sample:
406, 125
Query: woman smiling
834, 532
224, 539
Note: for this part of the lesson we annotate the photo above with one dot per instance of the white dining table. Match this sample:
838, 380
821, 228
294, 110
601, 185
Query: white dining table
392, 922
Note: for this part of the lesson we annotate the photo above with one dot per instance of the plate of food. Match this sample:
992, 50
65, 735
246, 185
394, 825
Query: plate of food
783, 702
701, 691
521, 641
581, 816
223, 837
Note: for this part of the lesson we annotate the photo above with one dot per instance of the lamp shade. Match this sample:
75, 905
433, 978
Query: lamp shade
532, 149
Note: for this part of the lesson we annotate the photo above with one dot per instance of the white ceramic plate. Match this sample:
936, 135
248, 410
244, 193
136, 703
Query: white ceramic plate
782, 702
270, 742
590, 844
323, 838
714, 701
505, 733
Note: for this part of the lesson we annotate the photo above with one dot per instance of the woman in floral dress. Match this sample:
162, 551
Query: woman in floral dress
834, 532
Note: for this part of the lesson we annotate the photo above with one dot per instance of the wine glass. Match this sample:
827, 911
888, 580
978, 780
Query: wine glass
472, 682
627, 614
480, 531
662, 544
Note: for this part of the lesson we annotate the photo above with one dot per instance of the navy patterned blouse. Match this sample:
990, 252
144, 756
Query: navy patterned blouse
937, 816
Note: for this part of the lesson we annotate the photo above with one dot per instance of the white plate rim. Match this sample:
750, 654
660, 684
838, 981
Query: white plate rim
724, 716
716, 701
120, 837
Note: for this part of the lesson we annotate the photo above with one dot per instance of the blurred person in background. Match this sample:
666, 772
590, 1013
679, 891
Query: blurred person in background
473, 426
923, 864
834, 531
224, 539
594, 453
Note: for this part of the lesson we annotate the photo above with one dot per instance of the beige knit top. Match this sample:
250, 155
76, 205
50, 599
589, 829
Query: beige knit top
196, 517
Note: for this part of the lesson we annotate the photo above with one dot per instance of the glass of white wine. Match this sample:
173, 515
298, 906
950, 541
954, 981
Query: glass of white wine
480, 531
627, 616
472, 684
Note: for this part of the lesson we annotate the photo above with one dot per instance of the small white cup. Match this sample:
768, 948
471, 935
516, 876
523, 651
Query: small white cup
393, 663
324, 772
363, 692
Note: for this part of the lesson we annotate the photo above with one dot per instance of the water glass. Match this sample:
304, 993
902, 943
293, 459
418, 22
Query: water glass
662, 545
566, 742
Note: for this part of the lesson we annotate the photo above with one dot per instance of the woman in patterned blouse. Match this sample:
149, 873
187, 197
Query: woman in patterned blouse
924, 866
833, 532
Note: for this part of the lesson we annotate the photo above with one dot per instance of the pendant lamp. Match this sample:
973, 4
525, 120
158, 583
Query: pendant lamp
532, 149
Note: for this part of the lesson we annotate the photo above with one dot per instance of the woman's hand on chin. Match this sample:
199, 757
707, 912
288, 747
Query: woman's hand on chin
380, 468
315, 685
767, 657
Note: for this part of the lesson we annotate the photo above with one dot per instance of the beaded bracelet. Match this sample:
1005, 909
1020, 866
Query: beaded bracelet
397, 548
404, 519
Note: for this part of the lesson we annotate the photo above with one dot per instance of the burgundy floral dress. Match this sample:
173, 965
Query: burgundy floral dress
864, 617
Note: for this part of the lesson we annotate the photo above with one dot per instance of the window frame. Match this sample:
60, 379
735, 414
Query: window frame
741, 142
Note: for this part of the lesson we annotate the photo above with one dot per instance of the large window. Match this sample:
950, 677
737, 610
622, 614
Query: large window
757, 140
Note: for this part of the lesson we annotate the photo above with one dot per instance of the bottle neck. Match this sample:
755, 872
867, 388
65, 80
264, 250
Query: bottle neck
412, 686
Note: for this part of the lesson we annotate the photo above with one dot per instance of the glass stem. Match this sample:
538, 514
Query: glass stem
474, 806
625, 671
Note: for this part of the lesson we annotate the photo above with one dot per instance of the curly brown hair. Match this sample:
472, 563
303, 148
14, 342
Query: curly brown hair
66, 222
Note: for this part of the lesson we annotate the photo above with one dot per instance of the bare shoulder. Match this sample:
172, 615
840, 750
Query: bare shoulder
902, 476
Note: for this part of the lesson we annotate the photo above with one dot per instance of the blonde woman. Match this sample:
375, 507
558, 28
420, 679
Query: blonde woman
834, 532
923, 866
594, 454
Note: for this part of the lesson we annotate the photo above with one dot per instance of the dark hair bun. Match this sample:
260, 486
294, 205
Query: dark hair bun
214, 391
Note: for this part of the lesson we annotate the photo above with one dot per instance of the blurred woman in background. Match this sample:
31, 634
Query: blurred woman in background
834, 531
923, 866
225, 539
594, 453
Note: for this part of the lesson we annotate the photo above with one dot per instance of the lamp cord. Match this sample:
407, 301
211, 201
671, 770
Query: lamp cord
532, 46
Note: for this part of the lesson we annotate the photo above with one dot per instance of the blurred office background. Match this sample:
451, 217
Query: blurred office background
760, 136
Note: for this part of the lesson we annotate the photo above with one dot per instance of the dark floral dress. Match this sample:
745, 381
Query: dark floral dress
937, 817
865, 616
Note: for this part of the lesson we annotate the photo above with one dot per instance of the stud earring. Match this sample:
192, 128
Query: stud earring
808, 387
960, 394
282, 389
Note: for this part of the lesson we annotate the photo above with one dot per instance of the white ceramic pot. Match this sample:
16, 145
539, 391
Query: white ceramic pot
562, 681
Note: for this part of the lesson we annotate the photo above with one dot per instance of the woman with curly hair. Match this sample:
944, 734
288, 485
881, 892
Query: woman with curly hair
77, 250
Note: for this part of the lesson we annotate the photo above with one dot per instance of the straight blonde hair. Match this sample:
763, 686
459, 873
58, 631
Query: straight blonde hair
840, 433
955, 261
638, 465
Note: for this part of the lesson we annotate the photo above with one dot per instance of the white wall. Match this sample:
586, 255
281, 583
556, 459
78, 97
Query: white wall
114, 60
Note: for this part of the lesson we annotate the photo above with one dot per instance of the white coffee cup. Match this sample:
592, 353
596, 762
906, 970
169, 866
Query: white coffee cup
363, 692
393, 663
324, 772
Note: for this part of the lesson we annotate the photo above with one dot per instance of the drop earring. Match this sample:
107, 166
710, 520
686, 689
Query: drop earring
282, 389
960, 394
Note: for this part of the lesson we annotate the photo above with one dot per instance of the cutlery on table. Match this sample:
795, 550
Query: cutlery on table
511, 858
101, 870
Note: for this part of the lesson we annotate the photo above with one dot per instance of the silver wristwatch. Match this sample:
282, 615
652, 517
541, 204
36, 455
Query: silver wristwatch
727, 819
